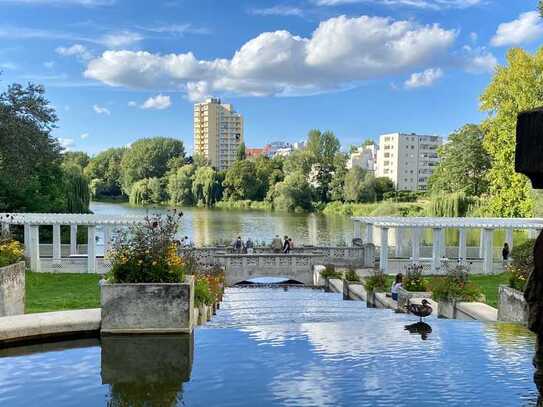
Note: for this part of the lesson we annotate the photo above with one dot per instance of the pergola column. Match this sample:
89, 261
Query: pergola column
487, 251
73, 239
91, 249
398, 237
436, 249
462, 244
26, 231
442, 244
56, 243
369, 233
35, 264
5, 228
383, 252
356, 229
415, 245
509, 238
108, 229
481, 243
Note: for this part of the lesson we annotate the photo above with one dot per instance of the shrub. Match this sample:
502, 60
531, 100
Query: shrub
351, 275
147, 252
202, 292
455, 286
522, 264
330, 272
377, 282
414, 281
11, 251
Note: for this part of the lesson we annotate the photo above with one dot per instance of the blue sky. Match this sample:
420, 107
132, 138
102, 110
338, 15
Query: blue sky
119, 70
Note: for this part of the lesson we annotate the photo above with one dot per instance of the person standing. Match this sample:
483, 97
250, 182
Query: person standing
291, 243
276, 244
238, 245
505, 253
249, 246
286, 245
395, 285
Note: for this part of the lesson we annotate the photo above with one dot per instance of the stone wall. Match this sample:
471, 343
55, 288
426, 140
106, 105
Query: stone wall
511, 305
12, 289
405, 297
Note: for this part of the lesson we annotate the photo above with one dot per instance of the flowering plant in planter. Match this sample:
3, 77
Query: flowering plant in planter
455, 285
11, 250
414, 281
147, 252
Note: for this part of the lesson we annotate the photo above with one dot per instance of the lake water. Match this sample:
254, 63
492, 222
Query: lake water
208, 226
269, 347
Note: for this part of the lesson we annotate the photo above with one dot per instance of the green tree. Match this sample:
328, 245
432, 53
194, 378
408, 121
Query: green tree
105, 173
514, 88
76, 189
180, 186
241, 154
337, 184
294, 193
354, 184
322, 147
147, 191
241, 182
206, 186
149, 158
79, 158
382, 186
463, 165
31, 175
268, 172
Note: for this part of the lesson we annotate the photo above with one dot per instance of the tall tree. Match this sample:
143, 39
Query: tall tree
241, 182
337, 182
294, 193
105, 173
31, 175
79, 158
354, 184
322, 147
464, 163
515, 87
206, 186
180, 186
241, 154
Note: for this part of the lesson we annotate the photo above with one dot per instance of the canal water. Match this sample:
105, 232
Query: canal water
270, 347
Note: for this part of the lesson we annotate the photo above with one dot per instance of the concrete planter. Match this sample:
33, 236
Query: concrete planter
352, 290
147, 308
12, 289
447, 309
512, 306
405, 297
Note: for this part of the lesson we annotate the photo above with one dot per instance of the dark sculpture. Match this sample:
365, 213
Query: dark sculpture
529, 161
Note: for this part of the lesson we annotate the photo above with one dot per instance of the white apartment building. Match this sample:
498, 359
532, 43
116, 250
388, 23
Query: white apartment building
364, 157
407, 159
218, 132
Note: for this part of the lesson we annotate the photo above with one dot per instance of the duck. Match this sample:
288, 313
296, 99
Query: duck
420, 310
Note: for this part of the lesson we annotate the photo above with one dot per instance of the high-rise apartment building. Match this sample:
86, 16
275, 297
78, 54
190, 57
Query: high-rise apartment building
407, 159
218, 132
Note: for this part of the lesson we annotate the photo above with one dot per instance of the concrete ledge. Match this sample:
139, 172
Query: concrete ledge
335, 285
382, 301
476, 310
49, 324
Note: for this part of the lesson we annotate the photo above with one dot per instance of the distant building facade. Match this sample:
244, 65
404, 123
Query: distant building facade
218, 132
364, 157
407, 159
254, 152
282, 148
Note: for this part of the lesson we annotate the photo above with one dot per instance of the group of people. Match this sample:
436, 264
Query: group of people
278, 245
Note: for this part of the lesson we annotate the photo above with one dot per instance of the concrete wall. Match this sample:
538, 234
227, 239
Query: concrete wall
148, 308
512, 306
12, 289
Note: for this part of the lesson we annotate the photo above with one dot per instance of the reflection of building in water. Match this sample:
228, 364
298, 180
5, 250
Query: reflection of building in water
200, 227
147, 369
312, 230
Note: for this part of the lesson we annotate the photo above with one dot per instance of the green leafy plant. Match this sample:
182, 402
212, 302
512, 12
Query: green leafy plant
522, 264
455, 286
376, 282
11, 251
147, 252
351, 275
330, 272
202, 293
414, 281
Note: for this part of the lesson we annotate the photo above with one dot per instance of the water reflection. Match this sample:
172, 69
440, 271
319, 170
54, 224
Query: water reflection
146, 370
419, 328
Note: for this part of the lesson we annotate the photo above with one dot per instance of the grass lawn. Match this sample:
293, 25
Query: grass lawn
55, 292
489, 286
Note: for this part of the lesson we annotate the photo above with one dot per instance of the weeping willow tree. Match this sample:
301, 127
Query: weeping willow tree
147, 191
76, 188
456, 204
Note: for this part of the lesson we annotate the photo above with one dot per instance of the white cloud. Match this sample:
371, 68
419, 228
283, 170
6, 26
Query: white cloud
159, 102
341, 52
84, 136
279, 10
478, 60
423, 79
422, 4
526, 28
120, 39
101, 110
85, 3
79, 51
132, 103
66, 143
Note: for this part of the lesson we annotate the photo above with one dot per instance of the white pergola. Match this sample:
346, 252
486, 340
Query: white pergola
438, 226
33, 221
